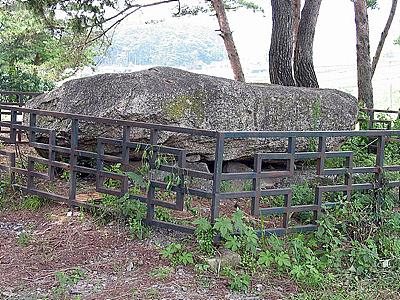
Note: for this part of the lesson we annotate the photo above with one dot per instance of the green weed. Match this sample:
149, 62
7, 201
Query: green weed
32, 202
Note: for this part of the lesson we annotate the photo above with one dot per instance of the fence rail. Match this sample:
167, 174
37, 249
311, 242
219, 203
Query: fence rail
73, 158
372, 119
14, 98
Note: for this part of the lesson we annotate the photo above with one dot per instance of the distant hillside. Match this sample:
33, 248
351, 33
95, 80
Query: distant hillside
165, 44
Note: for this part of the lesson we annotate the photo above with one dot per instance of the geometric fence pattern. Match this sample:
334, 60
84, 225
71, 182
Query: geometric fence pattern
67, 157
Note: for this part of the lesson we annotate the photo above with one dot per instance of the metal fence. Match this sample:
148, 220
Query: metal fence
372, 117
14, 98
93, 163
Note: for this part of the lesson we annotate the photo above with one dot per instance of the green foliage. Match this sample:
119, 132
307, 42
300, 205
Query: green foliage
303, 194
201, 268
18, 80
110, 182
177, 255
246, 4
65, 281
226, 186
23, 239
265, 258
161, 273
32, 202
237, 281
70, 278
66, 175
34, 53
137, 179
164, 214
224, 226
152, 293
352, 240
4, 186
359, 146
236, 233
373, 4
131, 211
230, 5
204, 236
137, 229
363, 257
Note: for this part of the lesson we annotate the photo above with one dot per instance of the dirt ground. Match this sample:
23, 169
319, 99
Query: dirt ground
49, 255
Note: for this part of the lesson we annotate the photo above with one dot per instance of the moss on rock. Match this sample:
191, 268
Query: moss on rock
183, 104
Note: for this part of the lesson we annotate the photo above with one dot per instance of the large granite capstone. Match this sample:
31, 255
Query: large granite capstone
173, 96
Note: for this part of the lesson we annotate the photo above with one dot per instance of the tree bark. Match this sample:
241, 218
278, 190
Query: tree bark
364, 68
226, 35
281, 49
304, 72
383, 36
296, 20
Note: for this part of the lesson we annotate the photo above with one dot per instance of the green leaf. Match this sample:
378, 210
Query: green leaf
223, 226
232, 243
136, 178
265, 259
283, 260
186, 258
297, 272
202, 225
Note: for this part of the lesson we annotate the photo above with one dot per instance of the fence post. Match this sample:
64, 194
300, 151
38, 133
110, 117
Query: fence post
216, 189
73, 159
255, 201
371, 116
151, 191
13, 130
380, 154
20, 104
32, 124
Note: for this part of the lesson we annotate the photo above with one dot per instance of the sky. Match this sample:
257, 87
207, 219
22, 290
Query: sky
335, 33
334, 45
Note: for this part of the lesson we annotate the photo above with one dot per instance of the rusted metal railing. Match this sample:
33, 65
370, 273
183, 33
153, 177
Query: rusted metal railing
68, 156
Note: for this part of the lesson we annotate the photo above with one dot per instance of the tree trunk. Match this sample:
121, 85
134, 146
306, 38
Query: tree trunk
364, 68
226, 35
281, 49
304, 72
383, 36
296, 20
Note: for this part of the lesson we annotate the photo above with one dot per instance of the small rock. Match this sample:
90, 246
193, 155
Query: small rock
259, 287
140, 262
236, 167
180, 272
385, 263
87, 227
193, 158
129, 267
184, 288
227, 258
7, 294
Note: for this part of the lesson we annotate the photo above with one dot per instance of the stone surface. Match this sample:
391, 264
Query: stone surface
226, 258
172, 96
236, 167
199, 183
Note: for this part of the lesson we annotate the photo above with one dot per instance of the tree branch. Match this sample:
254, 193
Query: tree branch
383, 36
135, 8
